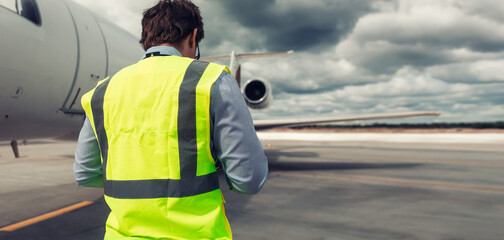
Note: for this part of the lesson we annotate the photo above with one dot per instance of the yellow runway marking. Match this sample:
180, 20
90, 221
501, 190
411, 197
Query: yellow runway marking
43, 217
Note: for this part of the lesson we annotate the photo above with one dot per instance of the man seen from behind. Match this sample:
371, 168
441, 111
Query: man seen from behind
156, 129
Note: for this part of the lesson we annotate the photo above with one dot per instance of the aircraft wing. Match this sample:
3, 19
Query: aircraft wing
216, 58
259, 55
247, 55
293, 122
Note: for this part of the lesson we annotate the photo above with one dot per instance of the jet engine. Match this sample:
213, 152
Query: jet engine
257, 93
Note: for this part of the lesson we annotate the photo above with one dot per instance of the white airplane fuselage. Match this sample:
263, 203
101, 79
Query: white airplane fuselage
47, 65
45, 68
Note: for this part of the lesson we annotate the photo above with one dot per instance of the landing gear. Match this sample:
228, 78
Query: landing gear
14, 146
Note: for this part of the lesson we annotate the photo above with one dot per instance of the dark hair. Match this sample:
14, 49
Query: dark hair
170, 21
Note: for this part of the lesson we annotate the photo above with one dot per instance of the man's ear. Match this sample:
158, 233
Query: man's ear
192, 38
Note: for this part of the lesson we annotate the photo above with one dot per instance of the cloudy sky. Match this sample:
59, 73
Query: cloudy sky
356, 57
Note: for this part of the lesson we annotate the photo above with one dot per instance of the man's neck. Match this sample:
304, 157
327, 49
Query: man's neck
179, 48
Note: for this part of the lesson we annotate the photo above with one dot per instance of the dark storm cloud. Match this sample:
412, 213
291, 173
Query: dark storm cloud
297, 25
481, 41
486, 93
420, 34
488, 71
489, 9
497, 99
392, 59
358, 57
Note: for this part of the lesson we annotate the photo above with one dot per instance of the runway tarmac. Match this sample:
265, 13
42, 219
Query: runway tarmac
348, 190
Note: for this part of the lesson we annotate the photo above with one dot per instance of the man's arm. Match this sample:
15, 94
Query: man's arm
87, 166
234, 138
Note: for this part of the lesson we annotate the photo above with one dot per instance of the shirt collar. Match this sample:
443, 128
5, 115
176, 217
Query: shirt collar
165, 50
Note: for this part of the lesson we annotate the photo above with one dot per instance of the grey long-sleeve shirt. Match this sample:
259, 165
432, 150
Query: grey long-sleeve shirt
233, 139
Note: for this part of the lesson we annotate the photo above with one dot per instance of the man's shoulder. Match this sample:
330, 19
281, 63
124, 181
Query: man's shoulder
225, 84
217, 65
202, 62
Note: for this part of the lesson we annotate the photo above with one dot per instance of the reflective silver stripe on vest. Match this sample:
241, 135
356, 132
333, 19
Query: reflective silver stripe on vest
97, 108
162, 188
189, 184
187, 145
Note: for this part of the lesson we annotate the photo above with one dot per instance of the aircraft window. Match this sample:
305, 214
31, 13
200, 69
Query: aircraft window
26, 8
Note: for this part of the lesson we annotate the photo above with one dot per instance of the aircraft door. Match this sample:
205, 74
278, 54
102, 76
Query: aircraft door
92, 57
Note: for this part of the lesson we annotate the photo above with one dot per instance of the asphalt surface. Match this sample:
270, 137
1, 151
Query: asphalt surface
316, 190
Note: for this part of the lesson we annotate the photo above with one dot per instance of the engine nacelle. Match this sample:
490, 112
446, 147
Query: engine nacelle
257, 93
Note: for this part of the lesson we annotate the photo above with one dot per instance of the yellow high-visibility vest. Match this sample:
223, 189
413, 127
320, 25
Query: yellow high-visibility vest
152, 122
